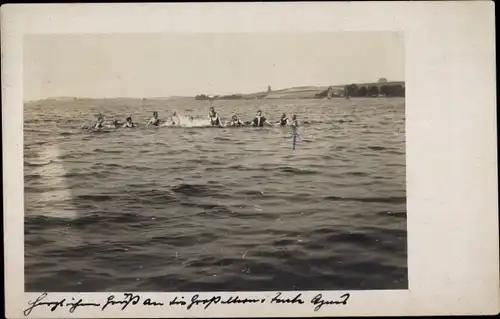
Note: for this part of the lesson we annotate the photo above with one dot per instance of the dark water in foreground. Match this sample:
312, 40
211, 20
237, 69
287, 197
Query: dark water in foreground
188, 209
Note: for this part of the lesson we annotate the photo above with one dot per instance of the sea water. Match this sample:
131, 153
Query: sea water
194, 208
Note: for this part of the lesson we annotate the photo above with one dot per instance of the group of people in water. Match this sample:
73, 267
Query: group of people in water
258, 121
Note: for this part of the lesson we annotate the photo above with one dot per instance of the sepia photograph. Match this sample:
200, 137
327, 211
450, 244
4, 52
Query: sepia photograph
214, 162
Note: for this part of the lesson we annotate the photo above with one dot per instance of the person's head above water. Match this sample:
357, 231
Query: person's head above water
174, 113
212, 109
155, 114
259, 113
294, 117
235, 117
129, 119
283, 115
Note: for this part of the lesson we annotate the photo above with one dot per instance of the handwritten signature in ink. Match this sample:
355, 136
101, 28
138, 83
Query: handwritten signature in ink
319, 302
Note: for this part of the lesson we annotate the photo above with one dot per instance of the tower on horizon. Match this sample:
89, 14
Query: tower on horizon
269, 88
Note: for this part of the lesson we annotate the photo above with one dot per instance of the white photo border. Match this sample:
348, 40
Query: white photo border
451, 145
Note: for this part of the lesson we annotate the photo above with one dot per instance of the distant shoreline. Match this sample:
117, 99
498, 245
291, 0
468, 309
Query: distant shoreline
360, 90
373, 89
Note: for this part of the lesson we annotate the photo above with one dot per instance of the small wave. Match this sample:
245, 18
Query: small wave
213, 210
237, 167
299, 197
39, 143
68, 156
193, 189
204, 206
39, 121
394, 214
185, 240
312, 122
203, 161
298, 171
350, 237
241, 168
337, 148
97, 198
221, 211
149, 197
131, 167
37, 164
99, 150
250, 193
31, 189
124, 218
376, 148
37, 222
377, 268
130, 197
98, 219
362, 174
32, 177
83, 174
67, 133
222, 139
327, 157
395, 200
396, 152
101, 131
101, 219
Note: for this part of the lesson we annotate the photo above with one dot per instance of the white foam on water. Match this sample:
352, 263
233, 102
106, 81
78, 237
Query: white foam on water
187, 121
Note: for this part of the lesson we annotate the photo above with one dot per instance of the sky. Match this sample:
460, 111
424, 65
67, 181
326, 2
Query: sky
162, 65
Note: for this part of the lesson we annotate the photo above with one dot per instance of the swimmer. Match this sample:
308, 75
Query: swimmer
174, 119
259, 120
155, 121
128, 122
100, 121
214, 117
283, 121
294, 122
235, 121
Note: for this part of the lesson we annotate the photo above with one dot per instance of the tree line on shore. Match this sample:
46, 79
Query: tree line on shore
375, 90
354, 90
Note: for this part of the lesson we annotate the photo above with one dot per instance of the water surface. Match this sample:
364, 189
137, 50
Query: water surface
190, 209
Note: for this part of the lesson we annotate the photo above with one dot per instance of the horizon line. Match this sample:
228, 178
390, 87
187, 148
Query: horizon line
192, 96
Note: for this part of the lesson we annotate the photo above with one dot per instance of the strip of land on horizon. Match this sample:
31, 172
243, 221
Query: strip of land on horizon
375, 89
